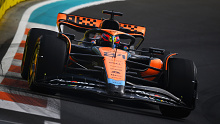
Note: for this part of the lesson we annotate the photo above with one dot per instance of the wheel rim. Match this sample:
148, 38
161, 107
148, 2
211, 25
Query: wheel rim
33, 67
24, 57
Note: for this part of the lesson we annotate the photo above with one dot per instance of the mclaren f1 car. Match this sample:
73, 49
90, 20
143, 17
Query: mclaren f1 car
107, 61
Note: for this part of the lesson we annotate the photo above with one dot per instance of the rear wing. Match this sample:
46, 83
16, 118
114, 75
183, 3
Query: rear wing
81, 24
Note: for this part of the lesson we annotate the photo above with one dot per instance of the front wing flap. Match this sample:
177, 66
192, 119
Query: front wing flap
132, 92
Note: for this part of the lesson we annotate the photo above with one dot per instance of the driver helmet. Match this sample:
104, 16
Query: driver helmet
108, 38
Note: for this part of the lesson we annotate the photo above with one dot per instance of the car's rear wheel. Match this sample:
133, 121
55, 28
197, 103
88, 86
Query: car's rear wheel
181, 83
31, 40
47, 61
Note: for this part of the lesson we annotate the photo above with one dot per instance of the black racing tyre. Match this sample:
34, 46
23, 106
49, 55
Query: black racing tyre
183, 84
47, 61
31, 40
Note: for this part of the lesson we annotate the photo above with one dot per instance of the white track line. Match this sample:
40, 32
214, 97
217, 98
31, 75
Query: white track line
50, 122
49, 111
52, 108
42, 26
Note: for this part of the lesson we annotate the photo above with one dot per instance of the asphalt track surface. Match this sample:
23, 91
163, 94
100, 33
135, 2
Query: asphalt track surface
190, 28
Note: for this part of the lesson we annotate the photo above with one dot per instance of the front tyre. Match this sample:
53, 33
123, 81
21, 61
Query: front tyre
183, 84
47, 61
31, 40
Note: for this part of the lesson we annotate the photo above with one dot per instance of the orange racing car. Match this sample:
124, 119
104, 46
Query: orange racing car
107, 61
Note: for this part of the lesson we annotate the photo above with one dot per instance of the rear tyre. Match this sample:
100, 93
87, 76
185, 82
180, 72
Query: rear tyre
31, 40
47, 61
182, 84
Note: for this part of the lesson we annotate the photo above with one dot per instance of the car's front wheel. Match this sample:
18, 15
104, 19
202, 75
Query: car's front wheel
183, 84
31, 40
48, 60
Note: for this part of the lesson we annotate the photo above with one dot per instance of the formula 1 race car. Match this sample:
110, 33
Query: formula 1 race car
107, 61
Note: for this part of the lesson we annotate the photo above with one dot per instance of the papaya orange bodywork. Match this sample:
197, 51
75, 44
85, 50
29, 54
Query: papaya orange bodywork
95, 23
168, 59
156, 63
134, 28
61, 16
69, 42
115, 66
113, 32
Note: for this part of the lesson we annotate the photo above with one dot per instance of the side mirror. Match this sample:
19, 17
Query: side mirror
156, 51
